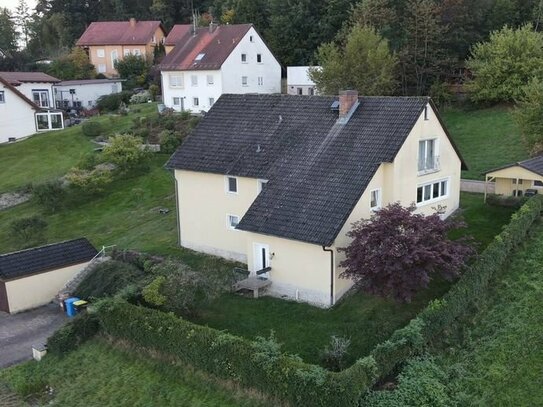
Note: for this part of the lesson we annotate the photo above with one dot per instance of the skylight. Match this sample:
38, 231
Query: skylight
199, 57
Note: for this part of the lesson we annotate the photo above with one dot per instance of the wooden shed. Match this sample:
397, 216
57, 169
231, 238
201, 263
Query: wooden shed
518, 178
32, 277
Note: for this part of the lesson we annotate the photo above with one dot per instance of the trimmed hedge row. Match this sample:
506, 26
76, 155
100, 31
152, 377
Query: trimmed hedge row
74, 333
252, 364
287, 377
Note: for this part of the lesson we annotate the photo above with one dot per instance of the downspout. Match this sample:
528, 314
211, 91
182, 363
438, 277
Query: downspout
331, 251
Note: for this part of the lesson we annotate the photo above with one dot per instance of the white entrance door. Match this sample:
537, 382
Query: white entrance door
261, 258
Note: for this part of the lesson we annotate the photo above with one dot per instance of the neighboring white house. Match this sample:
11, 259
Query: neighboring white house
84, 93
276, 181
211, 61
299, 82
27, 105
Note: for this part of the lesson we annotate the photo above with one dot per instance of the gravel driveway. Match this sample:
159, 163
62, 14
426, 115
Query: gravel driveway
19, 332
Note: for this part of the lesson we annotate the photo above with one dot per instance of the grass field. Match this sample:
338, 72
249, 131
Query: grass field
50, 155
99, 374
366, 320
486, 138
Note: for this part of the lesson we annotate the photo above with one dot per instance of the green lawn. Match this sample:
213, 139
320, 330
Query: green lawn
98, 374
487, 138
365, 319
50, 155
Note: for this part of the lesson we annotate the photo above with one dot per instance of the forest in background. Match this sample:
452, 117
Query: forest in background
432, 38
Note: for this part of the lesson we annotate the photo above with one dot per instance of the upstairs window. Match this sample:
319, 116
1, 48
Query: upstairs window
100, 53
232, 185
176, 81
251, 39
428, 159
40, 97
244, 58
232, 221
375, 199
126, 52
211, 101
210, 80
244, 81
259, 58
2, 97
194, 80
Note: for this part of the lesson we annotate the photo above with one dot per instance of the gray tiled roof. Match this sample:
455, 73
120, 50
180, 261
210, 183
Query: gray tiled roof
533, 164
317, 169
45, 258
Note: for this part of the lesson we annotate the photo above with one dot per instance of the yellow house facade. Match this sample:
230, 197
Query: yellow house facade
109, 41
518, 179
243, 218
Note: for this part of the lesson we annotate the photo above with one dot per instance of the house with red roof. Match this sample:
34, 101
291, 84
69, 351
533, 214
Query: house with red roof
109, 41
27, 105
202, 64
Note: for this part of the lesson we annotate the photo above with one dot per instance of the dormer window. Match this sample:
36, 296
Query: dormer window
232, 185
199, 57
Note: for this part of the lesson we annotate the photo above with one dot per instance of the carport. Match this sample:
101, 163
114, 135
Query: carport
32, 277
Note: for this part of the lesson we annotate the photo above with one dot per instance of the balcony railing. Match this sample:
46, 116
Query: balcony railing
429, 164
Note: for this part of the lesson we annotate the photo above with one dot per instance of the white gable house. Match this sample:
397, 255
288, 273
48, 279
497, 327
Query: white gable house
212, 61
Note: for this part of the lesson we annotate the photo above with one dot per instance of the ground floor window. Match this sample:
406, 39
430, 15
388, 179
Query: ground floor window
49, 121
432, 191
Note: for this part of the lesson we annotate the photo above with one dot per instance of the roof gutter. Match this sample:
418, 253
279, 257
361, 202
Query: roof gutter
331, 251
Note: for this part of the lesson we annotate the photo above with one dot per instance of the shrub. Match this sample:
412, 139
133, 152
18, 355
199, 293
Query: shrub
91, 128
50, 195
154, 90
142, 97
529, 114
28, 229
89, 182
127, 152
333, 356
81, 328
111, 103
507, 201
168, 141
151, 293
108, 279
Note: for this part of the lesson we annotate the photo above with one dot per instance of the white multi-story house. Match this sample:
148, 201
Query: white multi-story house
299, 82
27, 105
84, 93
208, 62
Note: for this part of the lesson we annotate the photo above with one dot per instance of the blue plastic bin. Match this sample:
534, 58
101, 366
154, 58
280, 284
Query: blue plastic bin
70, 307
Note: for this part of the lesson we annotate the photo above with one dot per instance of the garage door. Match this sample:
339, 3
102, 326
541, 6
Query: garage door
4, 305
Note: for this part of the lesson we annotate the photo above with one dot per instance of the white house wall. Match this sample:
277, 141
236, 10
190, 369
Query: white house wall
203, 91
87, 94
16, 117
26, 89
269, 69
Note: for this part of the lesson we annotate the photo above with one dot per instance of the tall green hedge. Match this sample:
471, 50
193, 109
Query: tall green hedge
288, 377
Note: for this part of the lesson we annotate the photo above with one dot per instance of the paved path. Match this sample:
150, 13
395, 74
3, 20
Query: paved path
19, 332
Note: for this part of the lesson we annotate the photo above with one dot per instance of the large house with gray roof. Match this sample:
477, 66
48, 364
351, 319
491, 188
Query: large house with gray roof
203, 63
276, 181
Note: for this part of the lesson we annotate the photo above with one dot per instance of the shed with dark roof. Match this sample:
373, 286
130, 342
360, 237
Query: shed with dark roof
32, 277
516, 179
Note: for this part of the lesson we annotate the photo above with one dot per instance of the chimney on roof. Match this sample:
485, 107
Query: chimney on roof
348, 101
212, 27
132, 22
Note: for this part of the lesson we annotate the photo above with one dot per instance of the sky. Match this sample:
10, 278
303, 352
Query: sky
11, 4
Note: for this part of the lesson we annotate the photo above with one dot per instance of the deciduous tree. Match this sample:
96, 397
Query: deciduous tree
396, 252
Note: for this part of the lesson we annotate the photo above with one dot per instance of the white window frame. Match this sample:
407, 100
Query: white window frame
2, 97
244, 81
260, 81
101, 53
41, 100
194, 80
211, 101
440, 196
378, 200
196, 101
126, 52
537, 186
136, 52
102, 68
49, 121
114, 57
229, 218
178, 99
210, 80
177, 82
259, 185
227, 184
435, 156
244, 58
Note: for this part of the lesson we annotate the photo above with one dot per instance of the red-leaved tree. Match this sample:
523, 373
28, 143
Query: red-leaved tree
395, 253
